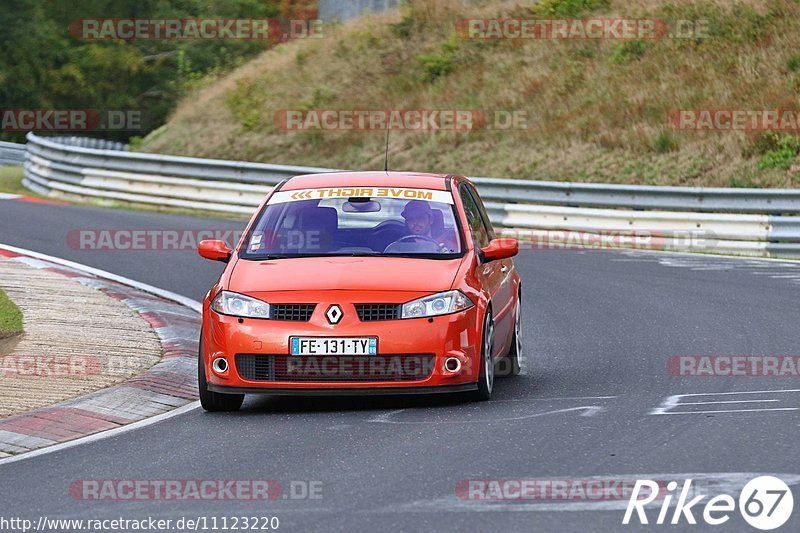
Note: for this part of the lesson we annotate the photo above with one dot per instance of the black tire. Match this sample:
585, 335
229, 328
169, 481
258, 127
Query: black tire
510, 364
486, 377
214, 402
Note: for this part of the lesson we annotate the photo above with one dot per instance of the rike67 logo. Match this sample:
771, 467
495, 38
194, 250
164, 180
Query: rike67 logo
765, 502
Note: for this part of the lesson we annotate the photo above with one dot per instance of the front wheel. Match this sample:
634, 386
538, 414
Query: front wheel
510, 365
486, 377
214, 402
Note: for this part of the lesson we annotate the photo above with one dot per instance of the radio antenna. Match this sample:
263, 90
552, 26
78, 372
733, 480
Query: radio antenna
386, 154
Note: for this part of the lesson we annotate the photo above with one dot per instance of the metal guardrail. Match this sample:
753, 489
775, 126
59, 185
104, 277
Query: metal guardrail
11, 154
696, 199
90, 142
746, 221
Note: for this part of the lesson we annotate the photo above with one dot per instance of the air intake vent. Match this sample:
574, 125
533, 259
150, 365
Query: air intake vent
294, 312
312, 368
371, 312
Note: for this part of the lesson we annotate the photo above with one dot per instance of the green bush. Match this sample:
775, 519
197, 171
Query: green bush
403, 28
441, 62
251, 120
763, 143
627, 51
783, 155
320, 97
664, 142
741, 182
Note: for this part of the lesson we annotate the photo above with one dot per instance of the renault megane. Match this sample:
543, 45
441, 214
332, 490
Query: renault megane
362, 283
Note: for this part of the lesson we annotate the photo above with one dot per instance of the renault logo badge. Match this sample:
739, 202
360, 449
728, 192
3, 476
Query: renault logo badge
334, 314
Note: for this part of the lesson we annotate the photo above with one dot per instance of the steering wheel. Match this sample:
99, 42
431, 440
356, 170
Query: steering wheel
408, 238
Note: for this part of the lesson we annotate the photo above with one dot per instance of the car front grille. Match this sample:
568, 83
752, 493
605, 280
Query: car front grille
294, 312
329, 368
371, 312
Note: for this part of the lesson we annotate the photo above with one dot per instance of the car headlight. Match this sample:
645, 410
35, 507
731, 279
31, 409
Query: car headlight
442, 303
232, 303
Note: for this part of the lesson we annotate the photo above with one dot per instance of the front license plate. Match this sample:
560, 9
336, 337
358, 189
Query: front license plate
333, 345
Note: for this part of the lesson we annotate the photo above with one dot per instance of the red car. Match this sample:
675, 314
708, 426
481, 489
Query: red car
361, 283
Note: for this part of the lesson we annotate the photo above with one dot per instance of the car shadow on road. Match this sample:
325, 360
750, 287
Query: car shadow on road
321, 404
509, 388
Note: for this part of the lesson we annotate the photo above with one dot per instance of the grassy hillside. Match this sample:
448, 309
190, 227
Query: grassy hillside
596, 109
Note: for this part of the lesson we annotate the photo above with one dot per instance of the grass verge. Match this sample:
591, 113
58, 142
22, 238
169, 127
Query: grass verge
10, 317
11, 181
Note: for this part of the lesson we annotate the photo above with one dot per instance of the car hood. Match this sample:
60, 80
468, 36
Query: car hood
344, 273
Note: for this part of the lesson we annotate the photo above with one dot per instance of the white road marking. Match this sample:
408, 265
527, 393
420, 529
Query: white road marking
558, 398
590, 411
728, 401
730, 411
738, 392
672, 402
386, 418
7, 196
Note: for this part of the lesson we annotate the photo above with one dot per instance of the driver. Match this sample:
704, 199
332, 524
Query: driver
418, 217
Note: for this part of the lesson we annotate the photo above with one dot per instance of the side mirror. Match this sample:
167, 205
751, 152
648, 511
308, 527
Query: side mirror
500, 249
214, 250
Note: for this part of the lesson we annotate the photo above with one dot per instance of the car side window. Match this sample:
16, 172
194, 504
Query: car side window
480, 235
482, 210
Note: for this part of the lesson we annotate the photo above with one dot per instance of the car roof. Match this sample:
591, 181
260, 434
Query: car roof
378, 178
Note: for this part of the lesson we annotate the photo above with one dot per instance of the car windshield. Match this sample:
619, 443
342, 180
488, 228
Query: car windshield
329, 222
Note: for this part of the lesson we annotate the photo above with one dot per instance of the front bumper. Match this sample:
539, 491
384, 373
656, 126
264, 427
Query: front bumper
441, 337
342, 391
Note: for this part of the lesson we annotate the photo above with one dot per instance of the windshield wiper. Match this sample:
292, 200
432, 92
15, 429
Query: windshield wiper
427, 255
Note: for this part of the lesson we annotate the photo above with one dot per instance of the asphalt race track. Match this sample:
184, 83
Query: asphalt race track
599, 328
